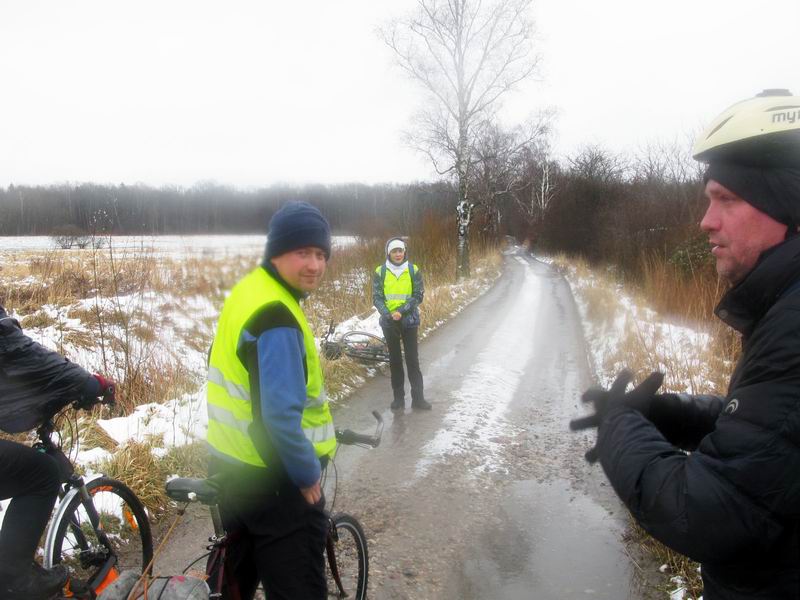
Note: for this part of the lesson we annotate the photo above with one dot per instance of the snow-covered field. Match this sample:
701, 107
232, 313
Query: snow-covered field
171, 245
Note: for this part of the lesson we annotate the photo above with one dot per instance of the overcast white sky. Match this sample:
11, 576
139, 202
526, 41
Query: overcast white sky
254, 92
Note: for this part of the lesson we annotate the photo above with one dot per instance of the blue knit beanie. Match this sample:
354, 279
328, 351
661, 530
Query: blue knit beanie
297, 225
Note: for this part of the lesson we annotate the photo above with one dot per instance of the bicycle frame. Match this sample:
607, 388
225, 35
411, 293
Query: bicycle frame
218, 555
73, 484
206, 491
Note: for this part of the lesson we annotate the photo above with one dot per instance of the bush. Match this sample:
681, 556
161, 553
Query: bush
693, 256
69, 235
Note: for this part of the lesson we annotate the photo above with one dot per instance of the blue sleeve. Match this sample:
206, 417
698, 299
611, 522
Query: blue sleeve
282, 387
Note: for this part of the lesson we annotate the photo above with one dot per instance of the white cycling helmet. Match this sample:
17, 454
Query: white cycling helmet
763, 131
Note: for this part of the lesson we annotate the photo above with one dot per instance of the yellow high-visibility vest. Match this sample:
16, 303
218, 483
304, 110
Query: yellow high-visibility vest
397, 290
230, 411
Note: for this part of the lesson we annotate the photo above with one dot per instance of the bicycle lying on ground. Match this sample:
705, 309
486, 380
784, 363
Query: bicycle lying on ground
100, 527
358, 345
346, 552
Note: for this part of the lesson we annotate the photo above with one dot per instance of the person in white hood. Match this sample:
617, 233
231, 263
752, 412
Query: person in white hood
397, 292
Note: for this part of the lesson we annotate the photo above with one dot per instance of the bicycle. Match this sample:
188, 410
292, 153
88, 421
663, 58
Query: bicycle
347, 568
100, 527
358, 345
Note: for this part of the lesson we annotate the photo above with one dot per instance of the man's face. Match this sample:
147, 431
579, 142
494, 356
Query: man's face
302, 268
738, 232
397, 255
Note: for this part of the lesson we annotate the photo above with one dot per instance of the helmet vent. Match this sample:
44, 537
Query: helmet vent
784, 107
774, 92
718, 127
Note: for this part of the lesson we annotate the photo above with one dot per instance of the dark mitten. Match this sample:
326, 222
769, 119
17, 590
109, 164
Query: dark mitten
639, 398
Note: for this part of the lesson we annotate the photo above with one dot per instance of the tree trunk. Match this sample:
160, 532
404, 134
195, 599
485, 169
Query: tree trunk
464, 207
463, 216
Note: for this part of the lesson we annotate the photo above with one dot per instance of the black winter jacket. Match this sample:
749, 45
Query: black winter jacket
35, 382
734, 503
409, 310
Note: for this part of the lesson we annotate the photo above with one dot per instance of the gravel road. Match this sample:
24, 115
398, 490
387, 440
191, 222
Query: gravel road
487, 495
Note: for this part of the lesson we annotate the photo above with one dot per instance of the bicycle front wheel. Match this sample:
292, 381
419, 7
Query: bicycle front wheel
100, 537
365, 347
348, 562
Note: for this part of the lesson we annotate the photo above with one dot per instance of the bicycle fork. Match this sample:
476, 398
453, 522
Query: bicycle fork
330, 540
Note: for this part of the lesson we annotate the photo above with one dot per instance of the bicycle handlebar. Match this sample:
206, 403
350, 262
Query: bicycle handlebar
109, 398
348, 437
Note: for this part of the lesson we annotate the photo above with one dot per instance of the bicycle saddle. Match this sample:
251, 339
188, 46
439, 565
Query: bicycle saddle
188, 489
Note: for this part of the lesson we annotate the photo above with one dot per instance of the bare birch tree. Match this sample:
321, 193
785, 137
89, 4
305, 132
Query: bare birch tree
466, 54
538, 170
502, 163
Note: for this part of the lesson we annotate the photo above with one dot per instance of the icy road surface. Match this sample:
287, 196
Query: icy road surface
487, 495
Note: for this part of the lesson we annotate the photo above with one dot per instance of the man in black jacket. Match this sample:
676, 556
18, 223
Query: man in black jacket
34, 383
733, 501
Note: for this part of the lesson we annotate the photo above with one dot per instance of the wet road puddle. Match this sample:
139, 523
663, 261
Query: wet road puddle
548, 540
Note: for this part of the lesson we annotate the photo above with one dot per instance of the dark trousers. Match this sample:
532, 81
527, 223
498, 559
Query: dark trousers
31, 478
394, 333
282, 541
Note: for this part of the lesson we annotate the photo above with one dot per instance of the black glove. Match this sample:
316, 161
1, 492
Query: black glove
640, 399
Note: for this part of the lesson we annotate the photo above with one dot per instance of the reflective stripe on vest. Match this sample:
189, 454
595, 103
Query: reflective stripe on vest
240, 392
228, 393
228, 419
396, 290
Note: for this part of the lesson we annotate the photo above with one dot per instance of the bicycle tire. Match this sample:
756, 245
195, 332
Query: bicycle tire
347, 549
365, 347
95, 558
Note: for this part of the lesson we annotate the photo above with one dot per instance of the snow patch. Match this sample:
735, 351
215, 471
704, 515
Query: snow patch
177, 422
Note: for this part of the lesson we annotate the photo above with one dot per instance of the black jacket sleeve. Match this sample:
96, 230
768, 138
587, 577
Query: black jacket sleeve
35, 381
688, 501
378, 296
685, 419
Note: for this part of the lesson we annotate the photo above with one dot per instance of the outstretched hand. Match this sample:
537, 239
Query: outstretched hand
640, 399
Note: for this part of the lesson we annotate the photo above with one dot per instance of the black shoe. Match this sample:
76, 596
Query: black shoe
421, 404
398, 404
36, 583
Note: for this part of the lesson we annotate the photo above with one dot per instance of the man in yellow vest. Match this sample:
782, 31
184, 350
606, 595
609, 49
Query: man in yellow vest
397, 292
269, 426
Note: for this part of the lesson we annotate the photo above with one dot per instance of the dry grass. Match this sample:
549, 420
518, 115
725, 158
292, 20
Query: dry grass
135, 465
190, 460
677, 565
39, 320
94, 436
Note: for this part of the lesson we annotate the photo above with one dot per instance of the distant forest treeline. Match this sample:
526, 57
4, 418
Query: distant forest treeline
211, 208
608, 208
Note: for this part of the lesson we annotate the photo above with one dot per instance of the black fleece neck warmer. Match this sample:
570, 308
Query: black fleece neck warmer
774, 191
